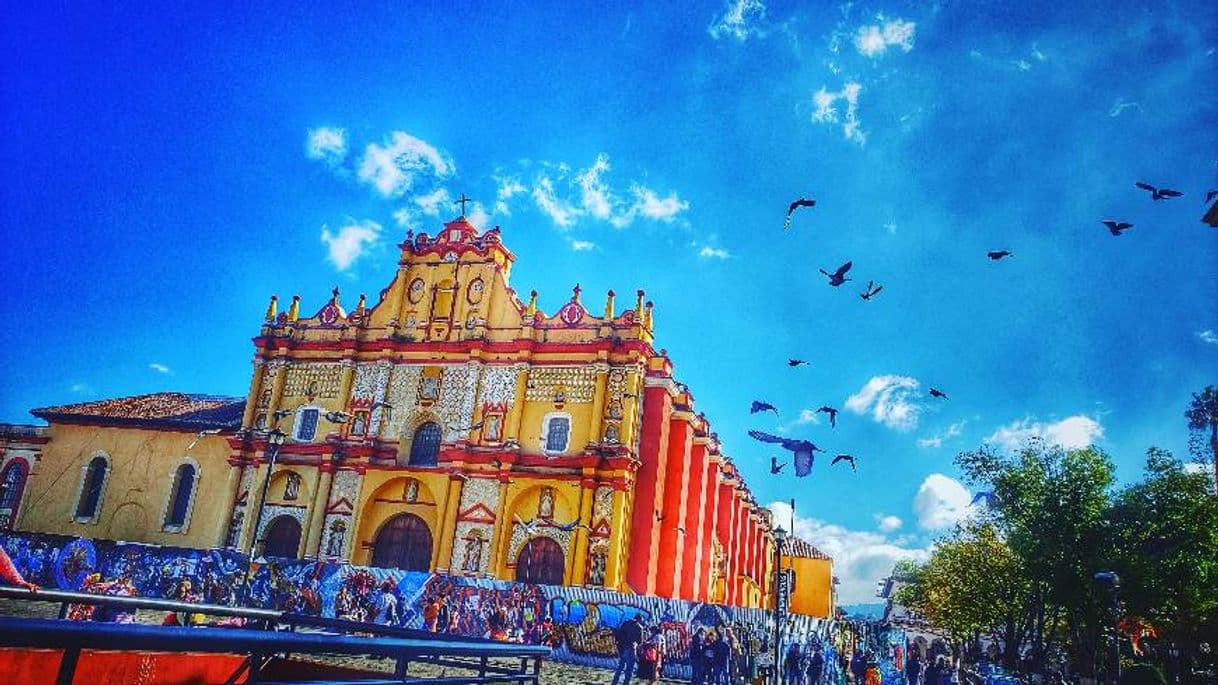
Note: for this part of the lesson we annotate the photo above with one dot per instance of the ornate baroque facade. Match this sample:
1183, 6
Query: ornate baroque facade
449, 426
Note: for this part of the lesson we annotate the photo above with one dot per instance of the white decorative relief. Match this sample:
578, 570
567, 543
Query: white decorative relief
577, 383
458, 388
499, 385
403, 396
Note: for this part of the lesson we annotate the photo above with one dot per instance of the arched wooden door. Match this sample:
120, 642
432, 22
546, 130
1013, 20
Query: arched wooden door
403, 542
282, 538
540, 562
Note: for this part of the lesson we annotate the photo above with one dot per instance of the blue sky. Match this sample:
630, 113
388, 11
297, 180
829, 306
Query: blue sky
165, 171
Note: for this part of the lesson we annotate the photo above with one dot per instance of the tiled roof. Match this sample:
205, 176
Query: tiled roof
174, 410
797, 547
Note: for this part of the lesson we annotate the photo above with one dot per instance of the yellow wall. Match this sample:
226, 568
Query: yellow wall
382, 499
136, 494
813, 595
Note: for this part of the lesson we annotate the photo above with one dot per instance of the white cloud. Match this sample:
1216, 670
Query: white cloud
477, 215
1120, 105
708, 252
350, 242
393, 168
875, 39
561, 212
937, 441
860, 557
327, 144
888, 524
81, 389
890, 400
739, 20
1023, 65
595, 199
807, 416
827, 112
432, 203
1208, 336
508, 187
1074, 432
651, 206
941, 502
159, 367
582, 245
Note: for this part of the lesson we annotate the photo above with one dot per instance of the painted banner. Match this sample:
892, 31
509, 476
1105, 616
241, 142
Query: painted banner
577, 622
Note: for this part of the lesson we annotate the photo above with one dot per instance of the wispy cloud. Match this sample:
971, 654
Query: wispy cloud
595, 198
432, 203
582, 245
394, 167
888, 524
827, 110
1208, 336
159, 367
1074, 432
941, 502
708, 252
891, 400
350, 242
561, 212
507, 187
860, 557
1120, 105
740, 20
952, 431
874, 40
327, 144
81, 389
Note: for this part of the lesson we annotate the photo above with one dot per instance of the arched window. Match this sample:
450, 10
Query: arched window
93, 483
181, 495
425, 448
282, 538
540, 562
12, 484
403, 542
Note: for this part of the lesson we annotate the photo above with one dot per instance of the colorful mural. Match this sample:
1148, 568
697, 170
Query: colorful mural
578, 623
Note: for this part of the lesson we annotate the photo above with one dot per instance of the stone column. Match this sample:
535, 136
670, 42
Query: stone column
317, 509
649, 485
709, 528
695, 514
251, 402
512, 429
579, 539
596, 423
615, 565
447, 522
670, 557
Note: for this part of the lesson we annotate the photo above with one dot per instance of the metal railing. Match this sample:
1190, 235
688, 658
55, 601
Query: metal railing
514, 663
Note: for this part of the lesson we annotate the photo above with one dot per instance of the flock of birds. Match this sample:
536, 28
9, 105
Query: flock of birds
804, 451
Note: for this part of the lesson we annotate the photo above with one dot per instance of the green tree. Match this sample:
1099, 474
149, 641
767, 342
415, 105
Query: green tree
1202, 417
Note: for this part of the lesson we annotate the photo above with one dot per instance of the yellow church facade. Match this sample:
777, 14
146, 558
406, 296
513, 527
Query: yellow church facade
449, 426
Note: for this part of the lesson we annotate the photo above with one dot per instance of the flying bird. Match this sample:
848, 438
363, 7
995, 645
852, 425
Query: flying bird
838, 277
568, 527
798, 362
1116, 227
801, 202
935, 392
529, 527
845, 457
832, 415
805, 451
1158, 193
762, 406
209, 431
988, 497
775, 467
999, 254
872, 291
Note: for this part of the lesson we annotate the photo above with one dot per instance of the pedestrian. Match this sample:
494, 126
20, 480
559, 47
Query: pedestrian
720, 660
816, 666
651, 656
388, 614
628, 637
858, 665
791, 665
697, 660
913, 668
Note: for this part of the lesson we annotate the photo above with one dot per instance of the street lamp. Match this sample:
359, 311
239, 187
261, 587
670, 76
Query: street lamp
780, 601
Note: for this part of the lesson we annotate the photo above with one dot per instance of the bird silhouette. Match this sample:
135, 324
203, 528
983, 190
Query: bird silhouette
845, 457
838, 277
762, 406
798, 362
999, 254
1116, 227
209, 431
801, 202
775, 467
872, 291
804, 450
529, 527
1158, 193
659, 515
832, 415
1209, 196
568, 527
990, 499
935, 392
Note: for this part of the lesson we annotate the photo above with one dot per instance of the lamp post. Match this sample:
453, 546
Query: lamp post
780, 601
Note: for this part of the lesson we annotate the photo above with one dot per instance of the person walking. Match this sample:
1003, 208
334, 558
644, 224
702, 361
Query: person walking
720, 660
816, 666
628, 636
697, 659
651, 656
913, 668
792, 665
858, 666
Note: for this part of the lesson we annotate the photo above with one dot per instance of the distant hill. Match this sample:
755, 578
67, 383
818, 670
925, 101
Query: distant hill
873, 610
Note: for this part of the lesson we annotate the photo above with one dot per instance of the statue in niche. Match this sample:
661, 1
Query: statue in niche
234, 529
260, 422
291, 489
596, 567
545, 503
611, 434
560, 395
494, 428
615, 409
429, 388
265, 402
471, 561
338, 535
411, 494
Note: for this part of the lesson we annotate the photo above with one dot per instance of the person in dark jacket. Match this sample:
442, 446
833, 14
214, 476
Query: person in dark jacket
697, 661
816, 666
913, 668
858, 666
792, 664
628, 636
720, 659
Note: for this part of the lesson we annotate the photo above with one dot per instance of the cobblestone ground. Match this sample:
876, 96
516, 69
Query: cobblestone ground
552, 673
